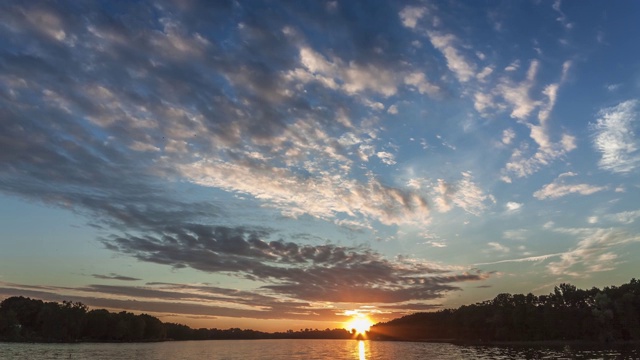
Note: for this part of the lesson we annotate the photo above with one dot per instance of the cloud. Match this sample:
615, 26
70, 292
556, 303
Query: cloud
498, 247
613, 87
486, 72
420, 82
483, 101
167, 103
436, 244
113, 276
448, 45
166, 299
518, 234
323, 197
507, 136
356, 79
518, 95
386, 157
424, 289
593, 253
464, 194
456, 62
614, 137
98, 113
313, 273
624, 217
264, 139
568, 142
562, 18
558, 188
433, 240
513, 206
410, 15
334, 74
513, 66
537, 259
507, 93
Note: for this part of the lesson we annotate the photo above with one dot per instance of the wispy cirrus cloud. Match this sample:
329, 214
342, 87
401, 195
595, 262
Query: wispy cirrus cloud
595, 252
493, 92
615, 138
463, 69
558, 188
536, 259
624, 217
519, 97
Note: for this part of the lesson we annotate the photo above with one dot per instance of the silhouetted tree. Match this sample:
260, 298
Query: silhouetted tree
568, 313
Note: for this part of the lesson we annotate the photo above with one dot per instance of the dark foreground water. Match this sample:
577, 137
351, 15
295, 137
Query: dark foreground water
303, 350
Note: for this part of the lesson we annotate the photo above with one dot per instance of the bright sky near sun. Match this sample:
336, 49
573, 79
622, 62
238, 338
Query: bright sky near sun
277, 165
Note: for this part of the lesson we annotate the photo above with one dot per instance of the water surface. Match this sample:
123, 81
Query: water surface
302, 350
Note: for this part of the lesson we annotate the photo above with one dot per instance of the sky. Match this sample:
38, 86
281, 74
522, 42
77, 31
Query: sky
286, 165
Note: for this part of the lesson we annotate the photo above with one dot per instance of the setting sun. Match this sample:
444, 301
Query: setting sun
360, 323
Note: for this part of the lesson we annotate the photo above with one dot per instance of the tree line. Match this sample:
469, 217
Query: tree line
568, 313
25, 319
183, 332
30, 320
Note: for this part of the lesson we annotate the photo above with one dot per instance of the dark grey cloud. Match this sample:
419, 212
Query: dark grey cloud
309, 272
113, 276
412, 307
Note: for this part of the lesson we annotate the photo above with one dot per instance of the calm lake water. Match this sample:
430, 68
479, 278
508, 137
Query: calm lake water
303, 350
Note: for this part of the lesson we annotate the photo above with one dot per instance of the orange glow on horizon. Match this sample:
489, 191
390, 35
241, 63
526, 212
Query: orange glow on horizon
361, 323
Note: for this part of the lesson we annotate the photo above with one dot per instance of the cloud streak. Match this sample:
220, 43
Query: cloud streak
558, 188
113, 276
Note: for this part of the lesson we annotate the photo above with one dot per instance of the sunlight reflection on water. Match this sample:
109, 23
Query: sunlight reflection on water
361, 350
303, 350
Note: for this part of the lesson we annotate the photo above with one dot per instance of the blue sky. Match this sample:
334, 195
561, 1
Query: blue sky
271, 166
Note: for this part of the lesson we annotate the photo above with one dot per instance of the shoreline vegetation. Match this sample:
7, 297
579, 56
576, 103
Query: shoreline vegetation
568, 315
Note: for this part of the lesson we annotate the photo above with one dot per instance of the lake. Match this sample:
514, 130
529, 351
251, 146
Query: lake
302, 350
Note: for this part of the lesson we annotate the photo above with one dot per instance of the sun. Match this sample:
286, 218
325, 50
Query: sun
361, 324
